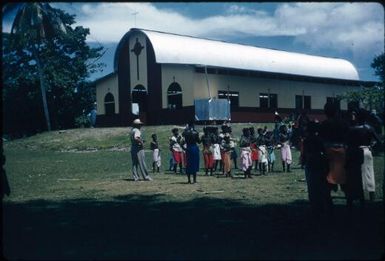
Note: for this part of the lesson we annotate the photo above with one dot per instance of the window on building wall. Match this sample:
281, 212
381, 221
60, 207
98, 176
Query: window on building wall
298, 102
174, 96
334, 100
109, 104
263, 100
303, 102
267, 100
232, 96
273, 100
307, 102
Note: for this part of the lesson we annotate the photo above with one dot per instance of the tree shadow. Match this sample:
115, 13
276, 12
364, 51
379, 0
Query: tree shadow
134, 226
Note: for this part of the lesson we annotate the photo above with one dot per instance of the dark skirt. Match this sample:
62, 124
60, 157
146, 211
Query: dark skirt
192, 156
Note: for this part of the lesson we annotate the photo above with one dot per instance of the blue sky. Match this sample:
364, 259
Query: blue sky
351, 31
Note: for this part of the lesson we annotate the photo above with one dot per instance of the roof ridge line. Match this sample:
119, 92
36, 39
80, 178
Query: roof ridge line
227, 42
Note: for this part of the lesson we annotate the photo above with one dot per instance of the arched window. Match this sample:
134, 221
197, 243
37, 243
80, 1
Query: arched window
109, 104
139, 99
174, 96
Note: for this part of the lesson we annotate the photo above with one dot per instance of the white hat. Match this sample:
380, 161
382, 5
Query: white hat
137, 121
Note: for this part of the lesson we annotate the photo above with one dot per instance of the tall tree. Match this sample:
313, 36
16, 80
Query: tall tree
43, 49
35, 23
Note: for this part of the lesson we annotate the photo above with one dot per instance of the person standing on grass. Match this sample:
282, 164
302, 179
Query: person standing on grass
137, 152
5, 189
191, 137
333, 132
226, 148
233, 154
367, 138
208, 157
315, 163
262, 152
216, 150
285, 148
176, 149
92, 116
354, 160
244, 144
270, 146
254, 148
156, 160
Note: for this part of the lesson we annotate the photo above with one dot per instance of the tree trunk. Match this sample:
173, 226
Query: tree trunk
43, 89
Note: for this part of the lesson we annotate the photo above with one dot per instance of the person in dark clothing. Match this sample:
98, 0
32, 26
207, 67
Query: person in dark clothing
285, 148
226, 148
333, 133
270, 151
262, 152
354, 161
233, 154
301, 123
244, 144
5, 189
176, 148
315, 170
253, 147
208, 157
366, 137
191, 137
156, 160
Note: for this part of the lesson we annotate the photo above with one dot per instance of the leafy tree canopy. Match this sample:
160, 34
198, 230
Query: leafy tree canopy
371, 97
66, 61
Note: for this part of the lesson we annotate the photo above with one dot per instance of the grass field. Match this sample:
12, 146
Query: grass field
73, 198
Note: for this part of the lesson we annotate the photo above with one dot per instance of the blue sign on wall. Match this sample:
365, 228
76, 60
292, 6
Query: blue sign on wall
212, 109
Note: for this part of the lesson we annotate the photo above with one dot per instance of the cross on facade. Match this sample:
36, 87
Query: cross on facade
137, 50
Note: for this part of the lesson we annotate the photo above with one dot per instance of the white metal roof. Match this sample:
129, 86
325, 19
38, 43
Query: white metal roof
178, 49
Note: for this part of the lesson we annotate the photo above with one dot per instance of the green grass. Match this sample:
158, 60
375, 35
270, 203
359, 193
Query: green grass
72, 198
35, 164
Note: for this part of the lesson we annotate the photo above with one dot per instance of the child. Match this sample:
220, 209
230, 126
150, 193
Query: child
176, 149
262, 159
155, 153
244, 144
233, 154
262, 152
285, 149
254, 148
216, 150
270, 151
226, 148
208, 157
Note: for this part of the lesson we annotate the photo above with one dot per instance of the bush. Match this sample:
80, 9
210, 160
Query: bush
82, 121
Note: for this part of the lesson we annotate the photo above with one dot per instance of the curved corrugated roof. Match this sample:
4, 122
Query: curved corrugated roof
178, 49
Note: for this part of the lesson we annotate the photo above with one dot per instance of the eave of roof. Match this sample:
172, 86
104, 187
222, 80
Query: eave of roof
105, 77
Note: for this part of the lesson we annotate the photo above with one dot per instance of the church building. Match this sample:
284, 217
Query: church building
158, 76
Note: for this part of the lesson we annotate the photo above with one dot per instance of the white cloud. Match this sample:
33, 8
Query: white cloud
357, 27
354, 27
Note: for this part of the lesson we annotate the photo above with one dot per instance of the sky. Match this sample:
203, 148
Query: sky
351, 31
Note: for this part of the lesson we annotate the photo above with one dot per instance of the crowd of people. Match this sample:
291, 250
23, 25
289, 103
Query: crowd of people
334, 152
257, 150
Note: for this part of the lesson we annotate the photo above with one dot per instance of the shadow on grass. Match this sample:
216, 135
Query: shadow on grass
146, 227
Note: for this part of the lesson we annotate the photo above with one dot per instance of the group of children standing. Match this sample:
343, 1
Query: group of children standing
257, 150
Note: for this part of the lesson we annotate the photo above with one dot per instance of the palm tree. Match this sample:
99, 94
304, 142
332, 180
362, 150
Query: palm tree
35, 23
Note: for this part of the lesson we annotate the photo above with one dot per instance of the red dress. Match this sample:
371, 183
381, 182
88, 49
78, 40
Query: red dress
254, 152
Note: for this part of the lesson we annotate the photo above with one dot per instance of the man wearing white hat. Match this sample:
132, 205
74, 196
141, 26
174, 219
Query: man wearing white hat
137, 152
